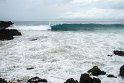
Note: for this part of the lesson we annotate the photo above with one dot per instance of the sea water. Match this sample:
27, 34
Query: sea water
61, 50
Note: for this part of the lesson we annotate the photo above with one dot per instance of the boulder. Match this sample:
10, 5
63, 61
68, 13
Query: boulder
37, 80
96, 80
111, 76
110, 55
15, 32
122, 71
85, 78
34, 39
119, 53
5, 24
3, 80
30, 68
7, 34
12, 32
71, 80
96, 71
6, 37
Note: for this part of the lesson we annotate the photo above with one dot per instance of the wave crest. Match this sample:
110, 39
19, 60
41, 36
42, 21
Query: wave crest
75, 27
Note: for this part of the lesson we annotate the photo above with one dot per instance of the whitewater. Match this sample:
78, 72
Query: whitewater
60, 55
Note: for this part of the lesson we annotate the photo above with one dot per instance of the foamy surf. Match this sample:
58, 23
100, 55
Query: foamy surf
71, 27
60, 55
40, 27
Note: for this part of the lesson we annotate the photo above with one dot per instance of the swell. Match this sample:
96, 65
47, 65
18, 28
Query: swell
76, 27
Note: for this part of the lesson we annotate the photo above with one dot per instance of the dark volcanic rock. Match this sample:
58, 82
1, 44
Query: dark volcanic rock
71, 80
36, 80
7, 34
96, 80
109, 55
85, 78
33, 39
30, 68
111, 76
6, 37
15, 32
3, 80
119, 53
4, 24
96, 71
122, 71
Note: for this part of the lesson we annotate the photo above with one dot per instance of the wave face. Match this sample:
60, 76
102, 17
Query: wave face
77, 27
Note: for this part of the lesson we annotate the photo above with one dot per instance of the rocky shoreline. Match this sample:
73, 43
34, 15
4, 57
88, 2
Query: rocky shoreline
8, 34
84, 78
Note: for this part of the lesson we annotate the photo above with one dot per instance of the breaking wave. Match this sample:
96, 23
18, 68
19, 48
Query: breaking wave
76, 27
70, 27
39, 27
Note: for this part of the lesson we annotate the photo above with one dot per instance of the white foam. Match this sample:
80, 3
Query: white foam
58, 56
41, 27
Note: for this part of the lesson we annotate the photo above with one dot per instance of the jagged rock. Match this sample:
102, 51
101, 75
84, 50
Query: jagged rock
122, 71
3, 80
7, 34
119, 53
36, 80
96, 71
111, 76
12, 32
85, 78
15, 32
6, 37
4, 24
71, 80
96, 80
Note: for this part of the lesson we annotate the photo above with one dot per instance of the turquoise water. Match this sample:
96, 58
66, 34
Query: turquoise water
94, 25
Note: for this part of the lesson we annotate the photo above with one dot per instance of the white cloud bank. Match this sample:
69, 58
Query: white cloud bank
61, 9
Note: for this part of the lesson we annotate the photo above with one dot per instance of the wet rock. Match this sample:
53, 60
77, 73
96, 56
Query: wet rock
119, 53
96, 80
5, 24
111, 76
109, 55
6, 37
33, 39
7, 34
30, 68
3, 80
15, 32
96, 71
85, 78
71, 80
37, 80
122, 71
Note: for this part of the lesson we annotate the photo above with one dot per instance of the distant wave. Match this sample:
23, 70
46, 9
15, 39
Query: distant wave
76, 27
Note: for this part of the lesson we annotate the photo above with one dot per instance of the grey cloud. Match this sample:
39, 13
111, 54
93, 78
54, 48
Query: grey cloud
53, 9
110, 4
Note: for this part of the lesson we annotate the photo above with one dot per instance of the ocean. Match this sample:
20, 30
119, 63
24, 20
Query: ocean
61, 50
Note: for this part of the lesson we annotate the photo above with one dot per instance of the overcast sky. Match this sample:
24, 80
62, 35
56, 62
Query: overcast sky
37, 10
